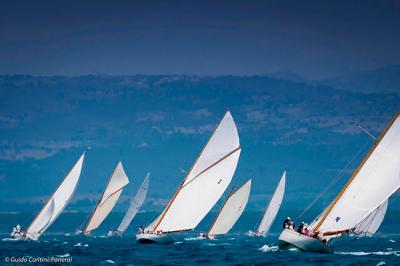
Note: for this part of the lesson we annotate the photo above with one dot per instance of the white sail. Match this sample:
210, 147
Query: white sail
231, 210
376, 179
56, 203
206, 181
111, 194
373, 221
273, 207
135, 205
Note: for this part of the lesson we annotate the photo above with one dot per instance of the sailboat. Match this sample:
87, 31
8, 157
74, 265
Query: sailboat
272, 209
134, 207
201, 188
116, 183
55, 204
230, 211
370, 186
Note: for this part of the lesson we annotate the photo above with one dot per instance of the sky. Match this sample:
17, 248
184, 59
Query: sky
317, 39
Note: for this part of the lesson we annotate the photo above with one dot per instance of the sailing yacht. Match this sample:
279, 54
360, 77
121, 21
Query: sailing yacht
54, 206
272, 209
201, 188
116, 183
366, 192
134, 207
230, 211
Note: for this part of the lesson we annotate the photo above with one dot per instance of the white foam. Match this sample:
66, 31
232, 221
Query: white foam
108, 261
86, 245
381, 263
66, 255
194, 238
78, 245
267, 248
363, 253
391, 240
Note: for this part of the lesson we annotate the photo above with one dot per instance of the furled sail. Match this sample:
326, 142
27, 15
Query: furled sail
56, 203
135, 205
231, 210
372, 222
111, 194
273, 207
205, 182
374, 181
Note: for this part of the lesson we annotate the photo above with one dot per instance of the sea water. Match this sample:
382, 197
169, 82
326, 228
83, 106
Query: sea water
236, 248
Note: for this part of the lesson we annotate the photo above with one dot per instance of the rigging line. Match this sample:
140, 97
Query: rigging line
334, 180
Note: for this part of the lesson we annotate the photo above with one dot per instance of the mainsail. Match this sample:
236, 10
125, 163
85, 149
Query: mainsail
205, 182
273, 207
231, 210
111, 194
135, 205
373, 182
56, 203
372, 222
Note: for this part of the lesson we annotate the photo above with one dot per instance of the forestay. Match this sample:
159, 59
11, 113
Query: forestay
135, 205
111, 194
376, 179
205, 182
231, 210
273, 207
373, 221
56, 203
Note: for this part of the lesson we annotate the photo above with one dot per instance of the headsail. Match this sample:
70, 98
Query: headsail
56, 203
231, 210
372, 222
111, 194
374, 181
273, 207
205, 182
135, 205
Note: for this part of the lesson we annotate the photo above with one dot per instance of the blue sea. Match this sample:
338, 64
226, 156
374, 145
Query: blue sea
60, 244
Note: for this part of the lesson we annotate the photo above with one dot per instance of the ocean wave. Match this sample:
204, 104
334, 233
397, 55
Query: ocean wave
194, 238
108, 261
66, 255
363, 253
267, 248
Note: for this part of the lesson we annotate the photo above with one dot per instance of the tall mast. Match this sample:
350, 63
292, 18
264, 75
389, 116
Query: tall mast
333, 204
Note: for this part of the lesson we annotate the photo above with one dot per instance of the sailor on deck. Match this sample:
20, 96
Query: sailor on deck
286, 223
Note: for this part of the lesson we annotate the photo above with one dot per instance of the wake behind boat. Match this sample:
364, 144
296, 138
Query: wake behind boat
366, 192
202, 187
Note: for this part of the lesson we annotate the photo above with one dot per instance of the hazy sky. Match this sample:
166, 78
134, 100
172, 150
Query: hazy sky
315, 38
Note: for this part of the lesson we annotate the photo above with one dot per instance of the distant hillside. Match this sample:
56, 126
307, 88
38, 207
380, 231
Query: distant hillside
381, 80
160, 123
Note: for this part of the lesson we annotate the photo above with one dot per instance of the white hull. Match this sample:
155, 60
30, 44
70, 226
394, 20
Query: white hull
148, 238
304, 243
17, 237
